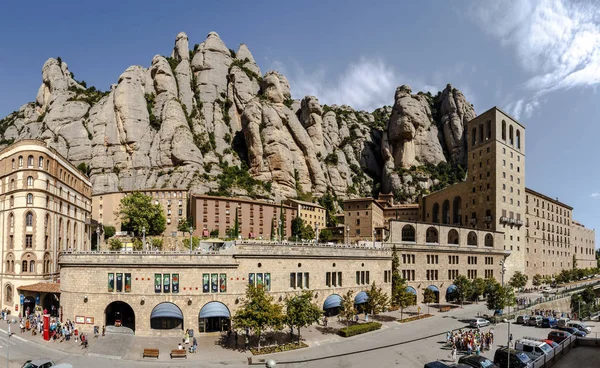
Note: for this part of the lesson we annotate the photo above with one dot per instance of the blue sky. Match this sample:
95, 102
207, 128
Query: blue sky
538, 60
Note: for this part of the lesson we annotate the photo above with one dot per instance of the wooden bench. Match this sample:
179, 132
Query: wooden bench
445, 309
152, 353
178, 353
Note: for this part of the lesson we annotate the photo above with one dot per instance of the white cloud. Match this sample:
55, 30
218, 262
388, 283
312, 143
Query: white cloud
366, 84
595, 195
556, 41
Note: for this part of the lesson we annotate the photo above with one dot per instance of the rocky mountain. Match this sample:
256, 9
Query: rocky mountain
207, 119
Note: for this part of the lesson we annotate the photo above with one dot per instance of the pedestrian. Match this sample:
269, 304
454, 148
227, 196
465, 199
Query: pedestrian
454, 353
76, 334
103, 330
229, 333
235, 337
246, 342
325, 320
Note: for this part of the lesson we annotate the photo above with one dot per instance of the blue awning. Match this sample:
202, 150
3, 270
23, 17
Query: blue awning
434, 288
166, 310
361, 298
332, 301
214, 309
451, 288
411, 290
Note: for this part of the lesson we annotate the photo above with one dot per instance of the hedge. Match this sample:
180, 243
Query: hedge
410, 319
278, 348
359, 329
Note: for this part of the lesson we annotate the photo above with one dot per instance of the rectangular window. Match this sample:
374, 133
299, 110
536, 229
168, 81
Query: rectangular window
362, 277
222, 283
28, 241
128, 283
333, 279
259, 279
306, 283
299, 280
251, 279
111, 282
368, 278
358, 277
157, 282
328, 278
293, 280
119, 282
267, 281
166, 283
214, 282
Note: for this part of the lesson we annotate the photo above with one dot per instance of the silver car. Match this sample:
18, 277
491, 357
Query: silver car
479, 322
38, 363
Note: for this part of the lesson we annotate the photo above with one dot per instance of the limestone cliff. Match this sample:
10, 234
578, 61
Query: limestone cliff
209, 120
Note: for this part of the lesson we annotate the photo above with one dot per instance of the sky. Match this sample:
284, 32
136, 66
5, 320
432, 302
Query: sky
539, 60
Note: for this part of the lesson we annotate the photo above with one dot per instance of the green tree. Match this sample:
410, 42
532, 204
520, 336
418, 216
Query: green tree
478, 286
138, 212
301, 311
157, 243
378, 301
325, 235
258, 312
137, 244
536, 280
398, 283
348, 309
84, 168
518, 280
195, 242
297, 227
115, 244
185, 225
236, 225
500, 297
329, 202
214, 233
463, 288
308, 232
428, 297
109, 231
272, 229
588, 295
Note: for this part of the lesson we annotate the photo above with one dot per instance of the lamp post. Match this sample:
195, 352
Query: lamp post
317, 234
280, 231
348, 235
508, 344
144, 238
191, 240
98, 237
9, 321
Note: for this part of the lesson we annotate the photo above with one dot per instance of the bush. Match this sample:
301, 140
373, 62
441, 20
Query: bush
157, 243
115, 244
278, 348
415, 318
331, 159
359, 329
109, 231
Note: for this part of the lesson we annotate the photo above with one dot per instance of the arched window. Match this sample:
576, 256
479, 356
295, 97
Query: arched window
518, 139
472, 238
12, 184
436, 213
453, 237
12, 201
30, 181
408, 233
489, 129
29, 198
11, 221
431, 235
503, 130
29, 219
13, 163
41, 162
8, 294
511, 139
446, 212
32, 266
20, 161
30, 161
489, 240
23, 266
473, 136
7, 270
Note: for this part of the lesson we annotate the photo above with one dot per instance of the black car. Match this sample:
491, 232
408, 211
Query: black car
477, 361
518, 359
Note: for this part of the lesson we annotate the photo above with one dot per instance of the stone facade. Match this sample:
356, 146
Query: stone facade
313, 214
256, 219
46, 204
363, 218
584, 245
84, 279
433, 255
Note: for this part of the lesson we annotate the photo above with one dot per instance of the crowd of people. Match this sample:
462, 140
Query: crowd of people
550, 313
471, 341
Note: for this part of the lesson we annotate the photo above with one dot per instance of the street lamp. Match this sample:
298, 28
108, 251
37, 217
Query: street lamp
280, 231
9, 321
144, 238
317, 233
191, 240
348, 234
98, 237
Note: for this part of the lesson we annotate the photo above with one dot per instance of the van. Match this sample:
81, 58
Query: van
534, 349
580, 326
562, 322
518, 359
535, 321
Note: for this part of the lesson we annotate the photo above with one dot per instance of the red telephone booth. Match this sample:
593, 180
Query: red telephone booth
46, 327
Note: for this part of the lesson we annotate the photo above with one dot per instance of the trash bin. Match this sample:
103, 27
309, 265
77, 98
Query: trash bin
191, 333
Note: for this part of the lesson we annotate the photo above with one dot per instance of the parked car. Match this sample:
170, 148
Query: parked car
518, 359
38, 363
549, 322
436, 364
523, 319
479, 322
562, 322
551, 343
580, 326
558, 335
573, 331
533, 348
535, 321
477, 361
549, 290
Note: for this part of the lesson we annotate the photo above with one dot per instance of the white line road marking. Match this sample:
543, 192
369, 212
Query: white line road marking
13, 336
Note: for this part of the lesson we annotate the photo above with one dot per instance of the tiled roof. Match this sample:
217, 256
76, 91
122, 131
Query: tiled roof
42, 287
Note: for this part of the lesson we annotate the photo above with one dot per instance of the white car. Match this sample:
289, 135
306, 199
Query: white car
548, 289
479, 322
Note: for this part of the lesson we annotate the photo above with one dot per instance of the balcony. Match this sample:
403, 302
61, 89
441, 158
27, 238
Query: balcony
473, 221
487, 219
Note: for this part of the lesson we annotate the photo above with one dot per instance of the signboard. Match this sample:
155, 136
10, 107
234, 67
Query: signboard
128, 283
175, 282
205, 282
89, 320
79, 319
157, 282
259, 279
267, 281
223, 283
119, 282
21, 298
251, 279
166, 283
214, 288
111, 282
37, 299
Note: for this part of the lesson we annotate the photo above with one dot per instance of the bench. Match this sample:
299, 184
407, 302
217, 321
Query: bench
445, 309
152, 353
178, 353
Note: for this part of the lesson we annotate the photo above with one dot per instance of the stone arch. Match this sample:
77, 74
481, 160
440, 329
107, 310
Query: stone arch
456, 211
166, 316
511, 137
453, 237
214, 316
47, 263
472, 238
29, 199
10, 263
518, 139
436, 213
436, 292
408, 233
503, 130
29, 218
27, 260
489, 240
41, 162
446, 212
119, 313
8, 293
30, 161
432, 235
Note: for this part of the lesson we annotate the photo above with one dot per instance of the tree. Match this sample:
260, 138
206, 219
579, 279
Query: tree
329, 202
301, 311
308, 232
84, 168
157, 243
348, 310
500, 297
258, 312
325, 235
185, 225
115, 244
137, 244
297, 227
109, 231
404, 298
463, 288
138, 212
397, 282
214, 233
588, 295
195, 242
378, 301
518, 280
236, 225
428, 297
272, 229
478, 286
536, 280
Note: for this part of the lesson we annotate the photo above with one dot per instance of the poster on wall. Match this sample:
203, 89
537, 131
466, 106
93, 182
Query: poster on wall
267, 281
166, 283
119, 282
205, 282
259, 279
111, 282
223, 283
89, 320
157, 282
251, 279
214, 281
79, 319
128, 283
175, 282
